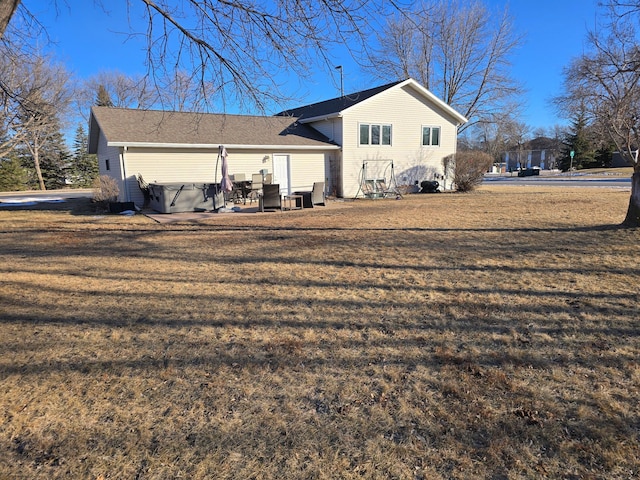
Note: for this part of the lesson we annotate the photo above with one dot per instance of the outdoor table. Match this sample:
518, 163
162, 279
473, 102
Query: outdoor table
293, 202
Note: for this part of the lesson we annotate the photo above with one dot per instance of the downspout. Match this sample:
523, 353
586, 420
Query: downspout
124, 175
455, 151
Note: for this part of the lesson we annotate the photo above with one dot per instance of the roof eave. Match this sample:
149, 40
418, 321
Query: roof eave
320, 118
93, 134
206, 146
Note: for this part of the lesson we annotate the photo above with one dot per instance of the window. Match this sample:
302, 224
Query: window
375, 134
106, 164
430, 136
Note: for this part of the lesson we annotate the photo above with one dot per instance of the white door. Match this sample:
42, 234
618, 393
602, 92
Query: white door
281, 173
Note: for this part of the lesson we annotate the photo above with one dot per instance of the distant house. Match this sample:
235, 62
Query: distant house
541, 152
399, 130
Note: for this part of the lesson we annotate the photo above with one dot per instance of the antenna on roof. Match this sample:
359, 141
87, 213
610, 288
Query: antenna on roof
339, 67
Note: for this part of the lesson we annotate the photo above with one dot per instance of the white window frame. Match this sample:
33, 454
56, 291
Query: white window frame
431, 130
370, 128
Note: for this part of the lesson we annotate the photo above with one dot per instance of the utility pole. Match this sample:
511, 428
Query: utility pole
339, 67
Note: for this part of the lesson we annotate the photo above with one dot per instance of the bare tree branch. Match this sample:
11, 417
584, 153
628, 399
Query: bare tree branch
459, 51
240, 49
605, 83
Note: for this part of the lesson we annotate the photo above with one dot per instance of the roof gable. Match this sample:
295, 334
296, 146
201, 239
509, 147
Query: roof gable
336, 106
123, 127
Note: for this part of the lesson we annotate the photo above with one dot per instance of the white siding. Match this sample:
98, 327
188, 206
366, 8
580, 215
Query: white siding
157, 165
306, 168
330, 128
111, 156
407, 112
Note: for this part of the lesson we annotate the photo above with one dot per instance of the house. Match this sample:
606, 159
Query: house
541, 152
401, 122
399, 132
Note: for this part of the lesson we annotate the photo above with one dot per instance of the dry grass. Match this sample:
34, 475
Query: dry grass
488, 335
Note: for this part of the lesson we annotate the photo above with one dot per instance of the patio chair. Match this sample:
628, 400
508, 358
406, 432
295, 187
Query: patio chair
144, 187
271, 198
313, 197
369, 189
317, 194
382, 189
256, 187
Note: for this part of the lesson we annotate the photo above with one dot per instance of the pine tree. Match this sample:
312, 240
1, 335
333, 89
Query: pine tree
83, 168
580, 142
13, 176
54, 161
103, 99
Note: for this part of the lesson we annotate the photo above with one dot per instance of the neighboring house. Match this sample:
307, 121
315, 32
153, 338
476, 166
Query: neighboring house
399, 129
517, 159
618, 160
541, 152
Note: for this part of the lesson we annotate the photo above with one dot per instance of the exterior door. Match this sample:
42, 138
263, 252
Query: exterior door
281, 173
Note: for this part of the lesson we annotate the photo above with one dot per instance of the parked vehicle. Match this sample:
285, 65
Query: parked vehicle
529, 172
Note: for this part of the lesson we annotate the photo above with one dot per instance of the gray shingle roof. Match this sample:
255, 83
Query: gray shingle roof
335, 105
128, 126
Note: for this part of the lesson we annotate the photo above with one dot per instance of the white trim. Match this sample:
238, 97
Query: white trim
424, 92
217, 145
320, 118
431, 127
378, 124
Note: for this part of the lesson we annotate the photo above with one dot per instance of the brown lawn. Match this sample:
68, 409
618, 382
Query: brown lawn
488, 335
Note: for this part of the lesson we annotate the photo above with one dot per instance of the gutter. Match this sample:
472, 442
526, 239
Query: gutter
216, 146
320, 118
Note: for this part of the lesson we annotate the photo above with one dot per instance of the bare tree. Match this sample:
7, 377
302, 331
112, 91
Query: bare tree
32, 115
238, 50
125, 91
7, 10
122, 90
495, 135
181, 91
458, 50
518, 133
606, 82
623, 7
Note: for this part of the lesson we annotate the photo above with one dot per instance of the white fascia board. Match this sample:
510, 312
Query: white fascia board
445, 106
217, 145
320, 118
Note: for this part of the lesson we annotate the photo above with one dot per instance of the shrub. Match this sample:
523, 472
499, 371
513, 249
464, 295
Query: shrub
105, 190
469, 169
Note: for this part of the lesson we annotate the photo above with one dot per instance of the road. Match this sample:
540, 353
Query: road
35, 196
561, 181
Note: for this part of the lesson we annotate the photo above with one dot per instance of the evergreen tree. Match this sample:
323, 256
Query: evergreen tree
54, 161
13, 176
604, 155
53, 158
83, 168
579, 140
103, 99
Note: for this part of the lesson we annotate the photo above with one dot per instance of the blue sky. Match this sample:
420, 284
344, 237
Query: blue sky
88, 41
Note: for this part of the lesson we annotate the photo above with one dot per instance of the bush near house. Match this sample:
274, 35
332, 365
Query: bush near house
105, 190
469, 168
